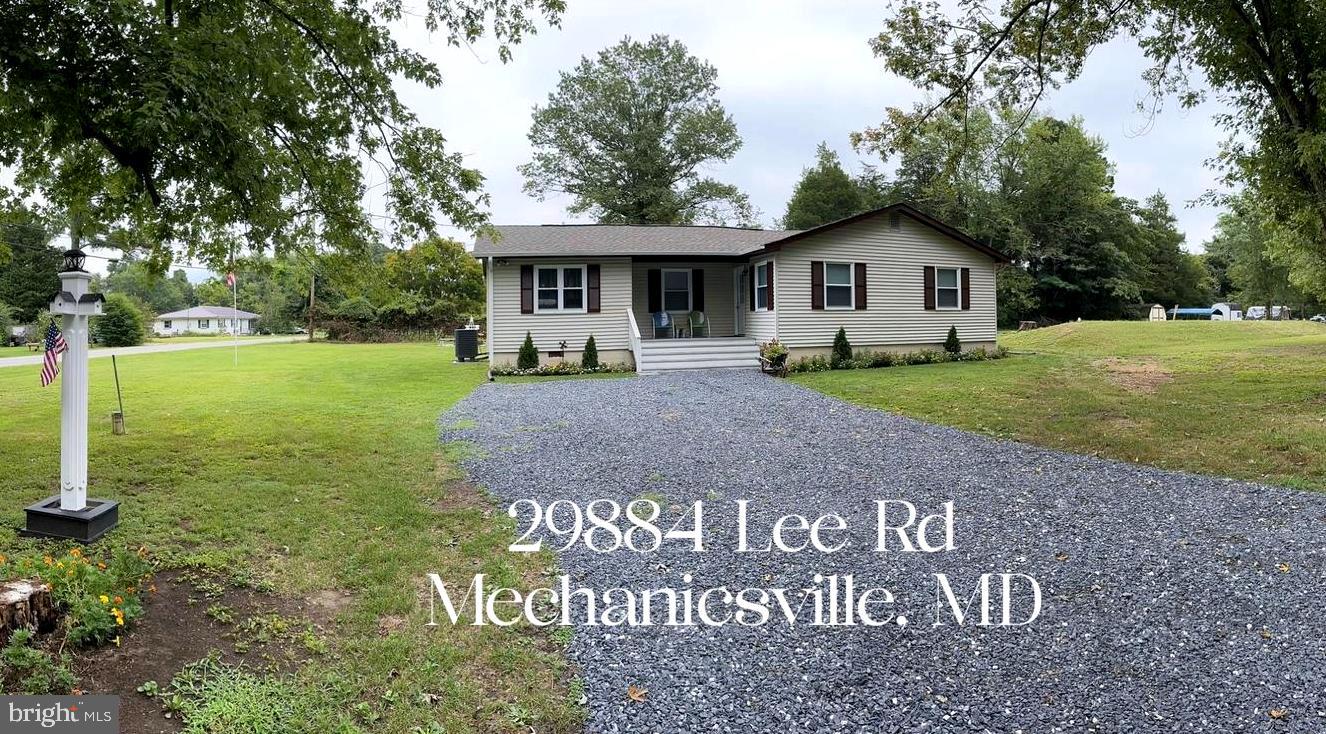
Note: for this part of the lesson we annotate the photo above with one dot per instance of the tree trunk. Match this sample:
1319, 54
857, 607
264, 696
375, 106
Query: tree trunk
26, 604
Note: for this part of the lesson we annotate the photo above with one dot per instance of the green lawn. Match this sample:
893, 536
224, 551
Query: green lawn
311, 467
1240, 399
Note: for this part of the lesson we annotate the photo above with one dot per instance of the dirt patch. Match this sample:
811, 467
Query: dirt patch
177, 630
1135, 375
461, 495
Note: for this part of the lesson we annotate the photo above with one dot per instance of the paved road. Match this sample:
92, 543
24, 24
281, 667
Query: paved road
1171, 602
218, 343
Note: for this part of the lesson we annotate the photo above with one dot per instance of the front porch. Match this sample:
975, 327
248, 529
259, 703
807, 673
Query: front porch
666, 295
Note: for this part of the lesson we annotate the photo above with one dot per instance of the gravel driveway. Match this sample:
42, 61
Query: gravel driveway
1171, 602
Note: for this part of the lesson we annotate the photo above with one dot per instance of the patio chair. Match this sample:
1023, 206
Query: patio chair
699, 324
662, 324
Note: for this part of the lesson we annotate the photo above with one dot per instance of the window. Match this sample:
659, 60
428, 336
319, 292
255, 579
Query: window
947, 287
762, 286
560, 289
676, 290
166, 324
838, 286
225, 323
204, 324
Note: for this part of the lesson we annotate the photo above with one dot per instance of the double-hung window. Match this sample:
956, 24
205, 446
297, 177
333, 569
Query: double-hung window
948, 287
676, 290
839, 286
762, 286
204, 323
560, 288
165, 324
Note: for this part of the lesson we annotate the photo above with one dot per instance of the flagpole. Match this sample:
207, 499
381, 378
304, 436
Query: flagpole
234, 313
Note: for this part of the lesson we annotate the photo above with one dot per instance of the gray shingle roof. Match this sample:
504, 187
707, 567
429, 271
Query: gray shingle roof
615, 239
208, 312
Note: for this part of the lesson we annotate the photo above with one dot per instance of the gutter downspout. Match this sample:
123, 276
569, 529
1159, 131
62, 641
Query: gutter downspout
490, 276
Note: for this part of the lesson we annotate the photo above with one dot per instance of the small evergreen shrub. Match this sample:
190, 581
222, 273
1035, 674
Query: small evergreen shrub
951, 343
842, 350
590, 359
121, 323
528, 358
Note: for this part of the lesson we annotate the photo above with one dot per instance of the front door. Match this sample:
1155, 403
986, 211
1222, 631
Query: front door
738, 300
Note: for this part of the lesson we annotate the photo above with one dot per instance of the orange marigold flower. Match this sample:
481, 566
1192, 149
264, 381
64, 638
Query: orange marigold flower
101, 566
3, 559
48, 560
119, 600
76, 553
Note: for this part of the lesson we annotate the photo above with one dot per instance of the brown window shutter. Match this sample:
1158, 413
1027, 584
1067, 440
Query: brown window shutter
527, 289
816, 285
655, 285
860, 280
965, 274
929, 288
697, 289
752, 286
768, 280
592, 299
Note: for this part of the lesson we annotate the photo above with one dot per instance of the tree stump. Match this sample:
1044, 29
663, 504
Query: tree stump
26, 604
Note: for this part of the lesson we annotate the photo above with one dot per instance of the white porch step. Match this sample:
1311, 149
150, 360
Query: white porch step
666, 355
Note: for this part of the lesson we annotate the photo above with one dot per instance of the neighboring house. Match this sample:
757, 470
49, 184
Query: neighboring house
1226, 312
894, 278
204, 320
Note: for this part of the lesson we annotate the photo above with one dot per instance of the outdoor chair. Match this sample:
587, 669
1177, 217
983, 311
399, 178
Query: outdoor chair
662, 324
699, 324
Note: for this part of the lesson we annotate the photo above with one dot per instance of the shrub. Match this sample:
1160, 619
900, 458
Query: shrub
99, 599
559, 368
842, 350
6, 323
951, 343
528, 358
121, 323
590, 359
868, 359
26, 669
357, 309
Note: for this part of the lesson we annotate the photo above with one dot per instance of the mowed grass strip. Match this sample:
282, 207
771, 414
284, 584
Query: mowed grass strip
1238, 399
315, 467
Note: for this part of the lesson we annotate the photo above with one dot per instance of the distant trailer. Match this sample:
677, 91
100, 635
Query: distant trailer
1226, 312
1190, 313
1157, 313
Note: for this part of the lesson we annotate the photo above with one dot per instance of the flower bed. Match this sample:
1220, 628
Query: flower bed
869, 360
559, 368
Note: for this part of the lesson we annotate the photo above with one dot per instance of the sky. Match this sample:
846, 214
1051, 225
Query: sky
791, 74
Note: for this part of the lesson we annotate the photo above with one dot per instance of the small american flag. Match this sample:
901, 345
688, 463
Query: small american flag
230, 280
50, 366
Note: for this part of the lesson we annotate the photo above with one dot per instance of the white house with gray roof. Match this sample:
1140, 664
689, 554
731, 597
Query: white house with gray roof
204, 320
684, 297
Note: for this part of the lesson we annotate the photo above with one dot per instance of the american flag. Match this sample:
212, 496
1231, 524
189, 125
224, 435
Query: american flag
50, 367
230, 279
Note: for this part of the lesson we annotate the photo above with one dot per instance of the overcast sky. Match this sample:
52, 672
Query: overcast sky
791, 74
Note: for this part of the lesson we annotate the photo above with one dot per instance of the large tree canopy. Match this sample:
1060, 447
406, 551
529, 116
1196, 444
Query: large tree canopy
1265, 58
626, 134
208, 126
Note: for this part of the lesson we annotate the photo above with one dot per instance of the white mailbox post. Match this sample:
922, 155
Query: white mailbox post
71, 514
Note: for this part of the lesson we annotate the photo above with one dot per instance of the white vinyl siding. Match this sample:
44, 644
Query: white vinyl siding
717, 294
507, 325
895, 287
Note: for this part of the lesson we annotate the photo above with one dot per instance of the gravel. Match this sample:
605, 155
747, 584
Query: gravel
1172, 602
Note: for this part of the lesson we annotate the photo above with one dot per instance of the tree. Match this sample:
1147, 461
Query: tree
842, 349
824, 194
121, 323
1172, 274
440, 272
28, 279
626, 136
589, 359
528, 356
135, 277
1261, 56
7, 323
212, 125
1256, 275
952, 344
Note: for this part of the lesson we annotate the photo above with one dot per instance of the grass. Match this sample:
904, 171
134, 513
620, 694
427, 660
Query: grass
1238, 399
309, 467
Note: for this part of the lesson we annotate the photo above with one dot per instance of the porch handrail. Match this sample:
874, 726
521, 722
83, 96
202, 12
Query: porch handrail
635, 338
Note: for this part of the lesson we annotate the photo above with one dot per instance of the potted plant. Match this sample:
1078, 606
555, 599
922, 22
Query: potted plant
774, 355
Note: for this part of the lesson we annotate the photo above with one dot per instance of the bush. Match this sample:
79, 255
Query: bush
25, 669
951, 343
868, 359
559, 368
6, 323
842, 350
121, 323
528, 358
590, 359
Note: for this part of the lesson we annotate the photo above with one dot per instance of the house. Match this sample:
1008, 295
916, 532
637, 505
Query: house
1226, 312
894, 278
204, 320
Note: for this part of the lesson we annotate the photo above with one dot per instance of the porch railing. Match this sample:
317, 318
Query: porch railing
635, 338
